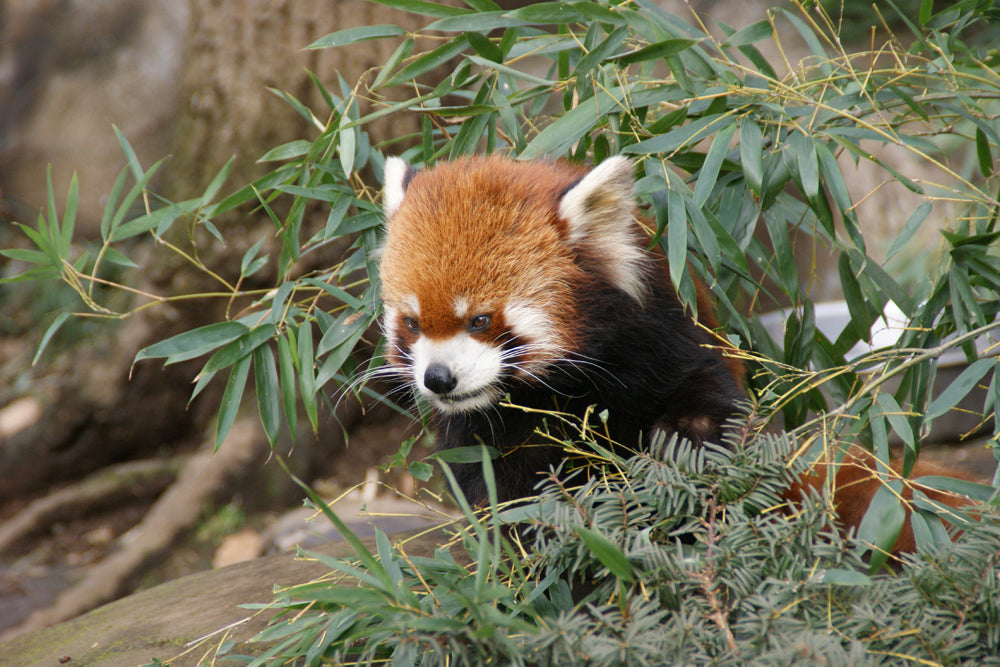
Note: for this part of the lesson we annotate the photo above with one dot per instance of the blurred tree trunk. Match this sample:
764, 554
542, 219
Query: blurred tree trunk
98, 410
95, 414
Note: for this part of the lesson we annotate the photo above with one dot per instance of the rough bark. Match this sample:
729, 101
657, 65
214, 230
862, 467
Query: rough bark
98, 409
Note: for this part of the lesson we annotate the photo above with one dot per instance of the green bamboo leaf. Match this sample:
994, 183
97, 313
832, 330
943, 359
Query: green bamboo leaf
807, 161
677, 230
983, 153
420, 470
133, 159
307, 373
929, 531
607, 552
471, 454
675, 140
126, 204
658, 51
266, 385
509, 71
358, 34
485, 47
882, 523
424, 8
973, 490
347, 146
841, 577
286, 376
160, 220
897, 419
117, 258
597, 12
909, 229
69, 217
482, 5
231, 398
292, 149
217, 182
752, 154
109, 208
29, 256
235, 350
752, 33
430, 60
709, 172
343, 349
558, 137
925, 13
960, 387
278, 301
336, 292
861, 319
248, 258
548, 13
194, 343
47, 336
401, 53
479, 22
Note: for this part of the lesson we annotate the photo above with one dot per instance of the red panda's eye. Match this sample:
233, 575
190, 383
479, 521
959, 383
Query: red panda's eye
479, 324
412, 324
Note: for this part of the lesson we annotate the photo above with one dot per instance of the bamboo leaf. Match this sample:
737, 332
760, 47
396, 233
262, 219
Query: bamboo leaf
909, 229
194, 343
231, 398
235, 350
69, 217
882, 523
709, 172
559, 136
752, 33
677, 229
286, 373
358, 34
983, 153
47, 336
959, 388
658, 51
752, 154
607, 552
424, 8
266, 385
307, 374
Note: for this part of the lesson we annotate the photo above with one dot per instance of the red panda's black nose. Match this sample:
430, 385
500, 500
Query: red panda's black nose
439, 379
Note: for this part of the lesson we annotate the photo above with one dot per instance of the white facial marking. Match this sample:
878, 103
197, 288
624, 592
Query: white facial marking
413, 304
390, 316
534, 327
461, 307
476, 367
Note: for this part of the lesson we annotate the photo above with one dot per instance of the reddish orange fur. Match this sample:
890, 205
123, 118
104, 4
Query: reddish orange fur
495, 179
856, 481
515, 207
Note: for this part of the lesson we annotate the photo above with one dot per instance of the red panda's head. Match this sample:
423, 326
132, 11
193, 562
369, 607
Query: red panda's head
484, 264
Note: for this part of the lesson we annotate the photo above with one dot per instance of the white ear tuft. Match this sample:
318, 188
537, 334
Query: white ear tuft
599, 212
600, 200
395, 177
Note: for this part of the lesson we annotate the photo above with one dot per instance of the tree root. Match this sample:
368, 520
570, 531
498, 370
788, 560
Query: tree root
203, 479
135, 480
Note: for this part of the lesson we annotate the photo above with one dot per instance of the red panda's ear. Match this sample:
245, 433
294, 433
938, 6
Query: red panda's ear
396, 175
598, 211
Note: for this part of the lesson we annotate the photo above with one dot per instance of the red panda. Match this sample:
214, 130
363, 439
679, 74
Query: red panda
531, 279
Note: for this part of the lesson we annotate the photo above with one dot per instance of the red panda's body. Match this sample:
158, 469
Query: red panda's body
531, 279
